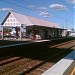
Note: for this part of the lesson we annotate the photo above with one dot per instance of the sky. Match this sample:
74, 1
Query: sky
58, 11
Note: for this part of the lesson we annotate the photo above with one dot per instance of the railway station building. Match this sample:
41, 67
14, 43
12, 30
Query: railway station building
24, 26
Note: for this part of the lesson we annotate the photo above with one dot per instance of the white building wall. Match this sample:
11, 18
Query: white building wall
64, 33
11, 21
50, 31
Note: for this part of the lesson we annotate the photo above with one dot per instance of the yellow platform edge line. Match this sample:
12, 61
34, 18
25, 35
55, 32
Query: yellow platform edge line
73, 72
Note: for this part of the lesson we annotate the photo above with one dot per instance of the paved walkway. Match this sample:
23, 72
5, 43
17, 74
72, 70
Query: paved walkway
64, 67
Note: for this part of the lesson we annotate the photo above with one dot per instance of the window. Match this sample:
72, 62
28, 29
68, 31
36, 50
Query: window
17, 23
7, 20
10, 20
10, 16
13, 20
13, 23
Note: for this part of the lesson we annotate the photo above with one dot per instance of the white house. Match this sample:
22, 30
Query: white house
31, 26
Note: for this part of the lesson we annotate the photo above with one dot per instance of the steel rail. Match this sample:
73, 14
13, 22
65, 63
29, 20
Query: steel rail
31, 69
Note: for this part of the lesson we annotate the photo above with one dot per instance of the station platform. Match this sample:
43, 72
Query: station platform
64, 67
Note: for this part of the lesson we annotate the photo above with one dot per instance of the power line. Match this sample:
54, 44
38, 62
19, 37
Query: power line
30, 8
16, 4
34, 9
26, 2
37, 10
51, 13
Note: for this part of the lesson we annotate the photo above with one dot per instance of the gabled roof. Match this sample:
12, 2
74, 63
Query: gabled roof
28, 20
5, 18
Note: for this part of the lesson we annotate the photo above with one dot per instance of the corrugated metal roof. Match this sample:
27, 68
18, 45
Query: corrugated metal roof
28, 20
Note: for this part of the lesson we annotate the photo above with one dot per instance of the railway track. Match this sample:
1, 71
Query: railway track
35, 62
42, 67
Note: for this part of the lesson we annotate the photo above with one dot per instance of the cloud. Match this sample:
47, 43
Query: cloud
42, 8
58, 7
71, 1
45, 14
42, 11
5, 9
31, 6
